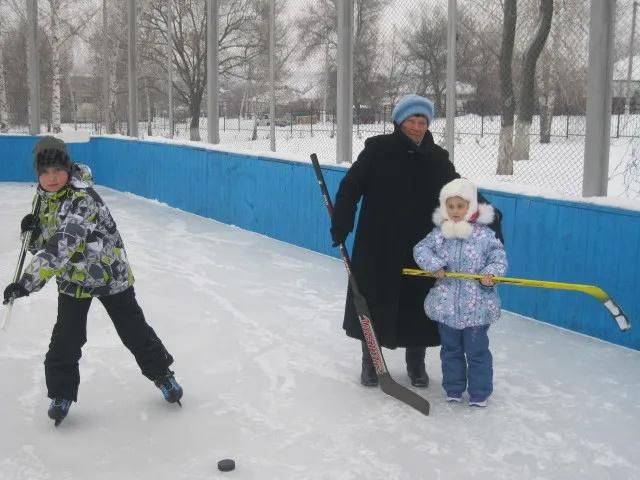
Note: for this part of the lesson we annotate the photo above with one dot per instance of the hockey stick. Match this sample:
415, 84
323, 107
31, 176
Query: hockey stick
26, 240
596, 292
387, 384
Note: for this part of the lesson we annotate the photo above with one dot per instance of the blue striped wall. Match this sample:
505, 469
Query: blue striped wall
545, 239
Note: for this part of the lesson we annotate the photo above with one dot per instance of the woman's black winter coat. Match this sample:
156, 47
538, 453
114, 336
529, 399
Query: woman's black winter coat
399, 183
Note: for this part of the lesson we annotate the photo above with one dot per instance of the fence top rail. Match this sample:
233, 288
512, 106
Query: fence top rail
617, 206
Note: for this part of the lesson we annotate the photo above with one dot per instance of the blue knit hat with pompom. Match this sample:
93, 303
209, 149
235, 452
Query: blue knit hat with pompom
410, 105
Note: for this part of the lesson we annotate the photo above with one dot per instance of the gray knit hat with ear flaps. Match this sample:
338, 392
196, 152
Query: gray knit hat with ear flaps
51, 152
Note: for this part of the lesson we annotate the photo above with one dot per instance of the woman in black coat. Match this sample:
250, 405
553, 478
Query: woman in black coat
399, 177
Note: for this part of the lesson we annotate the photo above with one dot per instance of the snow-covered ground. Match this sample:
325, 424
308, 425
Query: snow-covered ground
556, 166
271, 381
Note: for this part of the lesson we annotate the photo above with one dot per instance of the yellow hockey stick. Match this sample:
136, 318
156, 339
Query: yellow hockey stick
596, 292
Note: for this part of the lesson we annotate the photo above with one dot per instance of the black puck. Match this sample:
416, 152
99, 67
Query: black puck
226, 465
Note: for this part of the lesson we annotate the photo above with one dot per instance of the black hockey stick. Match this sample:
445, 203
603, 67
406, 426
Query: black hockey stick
387, 384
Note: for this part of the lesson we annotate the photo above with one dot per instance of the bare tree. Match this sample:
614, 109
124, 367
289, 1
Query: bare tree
15, 72
318, 34
236, 44
426, 53
547, 98
366, 80
256, 88
395, 70
563, 76
505, 149
527, 97
66, 20
114, 43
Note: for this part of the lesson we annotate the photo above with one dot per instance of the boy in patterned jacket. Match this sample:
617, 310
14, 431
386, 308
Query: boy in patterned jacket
463, 242
75, 239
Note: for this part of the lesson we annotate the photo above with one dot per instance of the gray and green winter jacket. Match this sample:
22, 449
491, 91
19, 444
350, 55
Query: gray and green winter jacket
77, 242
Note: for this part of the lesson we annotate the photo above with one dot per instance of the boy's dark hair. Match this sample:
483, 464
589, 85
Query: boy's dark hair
51, 152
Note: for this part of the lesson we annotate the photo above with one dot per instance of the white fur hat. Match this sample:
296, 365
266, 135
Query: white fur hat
463, 188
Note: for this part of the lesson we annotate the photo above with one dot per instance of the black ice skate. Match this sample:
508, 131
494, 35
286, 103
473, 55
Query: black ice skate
58, 409
170, 388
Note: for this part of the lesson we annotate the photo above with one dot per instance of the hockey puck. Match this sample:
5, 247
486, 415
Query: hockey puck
226, 465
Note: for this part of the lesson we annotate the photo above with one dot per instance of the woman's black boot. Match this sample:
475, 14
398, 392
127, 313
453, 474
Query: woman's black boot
415, 366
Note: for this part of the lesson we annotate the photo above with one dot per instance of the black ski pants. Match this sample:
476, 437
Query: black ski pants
70, 334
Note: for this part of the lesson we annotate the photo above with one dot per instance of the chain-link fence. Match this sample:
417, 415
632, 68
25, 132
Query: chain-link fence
624, 171
400, 46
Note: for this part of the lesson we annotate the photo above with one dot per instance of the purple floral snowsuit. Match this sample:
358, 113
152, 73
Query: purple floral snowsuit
464, 308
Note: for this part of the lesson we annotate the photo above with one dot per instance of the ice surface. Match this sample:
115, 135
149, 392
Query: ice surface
271, 381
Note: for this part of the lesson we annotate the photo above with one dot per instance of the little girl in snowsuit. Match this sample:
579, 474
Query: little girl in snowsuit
464, 309
75, 239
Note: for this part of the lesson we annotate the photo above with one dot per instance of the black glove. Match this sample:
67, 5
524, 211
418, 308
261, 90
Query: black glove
338, 236
14, 290
29, 223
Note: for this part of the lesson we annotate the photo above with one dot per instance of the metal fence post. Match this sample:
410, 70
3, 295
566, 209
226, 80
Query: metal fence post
105, 68
133, 72
627, 95
272, 72
599, 92
170, 66
344, 139
34, 67
384, 119
451, 78
213, 112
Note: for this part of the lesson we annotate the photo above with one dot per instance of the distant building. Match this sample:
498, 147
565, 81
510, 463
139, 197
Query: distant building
620, 74
83, 98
